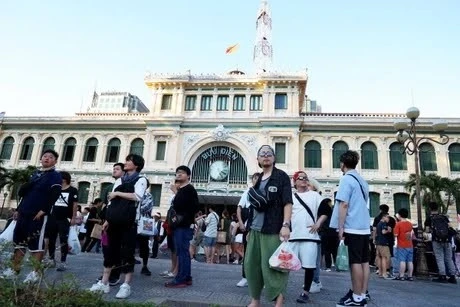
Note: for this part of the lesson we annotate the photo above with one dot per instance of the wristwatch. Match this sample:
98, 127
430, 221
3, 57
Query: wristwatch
287, 224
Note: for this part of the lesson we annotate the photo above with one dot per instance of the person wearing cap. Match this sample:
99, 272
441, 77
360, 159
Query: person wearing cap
308, 215
185, 204
269, 221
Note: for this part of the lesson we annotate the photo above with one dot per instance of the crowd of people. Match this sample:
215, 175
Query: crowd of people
269, 213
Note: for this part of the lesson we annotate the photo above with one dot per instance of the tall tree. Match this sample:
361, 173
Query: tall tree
18, 177
4, 175
431, 188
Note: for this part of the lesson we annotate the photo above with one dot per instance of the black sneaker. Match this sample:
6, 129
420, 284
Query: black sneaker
368, 296
441, 279
99, 278
145, 271
351, 302
346, 297
303, 298
452, 279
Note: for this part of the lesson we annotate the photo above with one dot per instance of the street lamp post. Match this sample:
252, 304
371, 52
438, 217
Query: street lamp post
5, 195
407, 136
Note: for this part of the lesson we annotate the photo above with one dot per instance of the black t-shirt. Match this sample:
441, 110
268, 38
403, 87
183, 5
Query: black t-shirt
391, 223
63, 207
186, 203
93, 214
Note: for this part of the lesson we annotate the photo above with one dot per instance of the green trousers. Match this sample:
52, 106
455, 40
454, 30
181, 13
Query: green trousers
259, 249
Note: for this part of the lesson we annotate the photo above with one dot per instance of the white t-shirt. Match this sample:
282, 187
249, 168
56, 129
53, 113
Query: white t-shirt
212, 221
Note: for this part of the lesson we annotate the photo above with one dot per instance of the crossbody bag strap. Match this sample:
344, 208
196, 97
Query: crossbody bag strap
305, 206
362, 190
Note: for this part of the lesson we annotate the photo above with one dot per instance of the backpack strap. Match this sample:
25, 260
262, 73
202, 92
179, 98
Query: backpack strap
305, 206
362, 190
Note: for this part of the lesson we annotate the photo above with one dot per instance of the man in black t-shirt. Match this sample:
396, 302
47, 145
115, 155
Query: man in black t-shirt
384, 209
63, 210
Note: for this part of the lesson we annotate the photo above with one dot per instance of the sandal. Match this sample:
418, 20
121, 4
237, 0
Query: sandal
399, 278
410, 278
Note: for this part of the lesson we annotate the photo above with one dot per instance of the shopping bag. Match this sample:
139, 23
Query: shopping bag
341, 262
146, 226
104, 239
7, 234
164, 245
74, 243
222, 237
96, 233
284, 259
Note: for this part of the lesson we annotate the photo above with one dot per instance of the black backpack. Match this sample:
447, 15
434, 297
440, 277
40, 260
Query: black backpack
439, 228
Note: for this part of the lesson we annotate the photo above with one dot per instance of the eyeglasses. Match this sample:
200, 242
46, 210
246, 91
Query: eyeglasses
303, 178
266, 154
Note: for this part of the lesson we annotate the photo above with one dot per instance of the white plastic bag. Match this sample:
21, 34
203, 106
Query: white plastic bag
284, 259
7, 234
164, 245
74, 243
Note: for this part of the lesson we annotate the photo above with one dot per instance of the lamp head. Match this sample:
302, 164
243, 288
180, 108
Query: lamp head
402, 136
413, 113
400, 125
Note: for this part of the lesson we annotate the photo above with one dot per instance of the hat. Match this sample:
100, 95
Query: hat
157, 214
296, 175
96, 201
314, 183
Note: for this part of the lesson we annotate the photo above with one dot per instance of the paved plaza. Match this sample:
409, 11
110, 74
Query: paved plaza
214, 285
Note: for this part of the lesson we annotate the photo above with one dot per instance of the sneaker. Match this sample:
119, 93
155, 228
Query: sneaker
303, 298
441, 279
173, 284
346, 297
99, 278
328, 270
236, 261
31, 278
145, 271
8, 274
368, 296
189, 281
194, 260
388, 277
242, 283
315, 287
351, 302
163, 274
100, 287
452, 279
49, 263
61, 267
124, 292
114, 282
169, 275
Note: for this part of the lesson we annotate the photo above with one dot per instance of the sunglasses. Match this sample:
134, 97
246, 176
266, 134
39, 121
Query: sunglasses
266, 154
303, 178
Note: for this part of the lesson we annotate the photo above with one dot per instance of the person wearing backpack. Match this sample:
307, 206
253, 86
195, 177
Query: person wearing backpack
438, 225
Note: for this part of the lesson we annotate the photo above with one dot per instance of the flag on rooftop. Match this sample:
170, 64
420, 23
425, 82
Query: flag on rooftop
232, 49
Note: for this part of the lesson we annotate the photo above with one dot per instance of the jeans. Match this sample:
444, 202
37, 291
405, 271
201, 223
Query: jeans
443, 254
318, 264
182, 238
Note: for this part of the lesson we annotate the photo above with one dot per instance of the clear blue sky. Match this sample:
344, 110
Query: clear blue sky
362, 56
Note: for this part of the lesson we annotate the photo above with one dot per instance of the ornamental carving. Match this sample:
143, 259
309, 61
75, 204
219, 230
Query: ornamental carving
250, 140
189, 140
220, 133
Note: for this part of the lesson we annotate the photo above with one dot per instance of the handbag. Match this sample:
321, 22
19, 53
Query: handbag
96, 233
174, 219
222, 237
146, 227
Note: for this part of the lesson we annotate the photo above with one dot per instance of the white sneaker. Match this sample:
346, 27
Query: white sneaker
169, 275
165, 273
242, 283
236, 261
315, 287
100, 287
7, 274
32, 277
124, 292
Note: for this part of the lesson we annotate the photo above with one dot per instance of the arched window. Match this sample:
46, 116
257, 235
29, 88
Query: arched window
369, 156
398, 158
338, 149
137, 147
401, 200
48, 144
427, 157
113, 150
69, 149
90, 150
7, 148
27, 148
83, 192
454, 157
374, 204
106, 188
312, 154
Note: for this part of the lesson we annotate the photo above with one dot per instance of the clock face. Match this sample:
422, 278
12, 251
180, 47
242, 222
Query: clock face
219, 170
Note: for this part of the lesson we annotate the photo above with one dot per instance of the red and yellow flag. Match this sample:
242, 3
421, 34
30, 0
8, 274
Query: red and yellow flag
232, 49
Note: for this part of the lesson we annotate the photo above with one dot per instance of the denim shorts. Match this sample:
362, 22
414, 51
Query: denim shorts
405, 254
209, 242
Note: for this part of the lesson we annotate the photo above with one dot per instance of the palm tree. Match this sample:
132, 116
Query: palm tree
4, 175
18, 177
452, 189
431, 188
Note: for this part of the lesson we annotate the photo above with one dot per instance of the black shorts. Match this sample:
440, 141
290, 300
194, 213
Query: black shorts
29, 233
358, 248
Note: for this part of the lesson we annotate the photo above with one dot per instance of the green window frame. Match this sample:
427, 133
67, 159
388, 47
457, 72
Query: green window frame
239, 103
190, 103
83, 192
155, 190
206, 101
427, 157
113, 150
312, 154
27, 149
222, 103
401, 200
255, 103
137, 147
69, 149
369, 156
398, 157
90, 150
7, 148
280, 153
166, 102
374, 204
454, 158
338, 149
49, 143
161, 151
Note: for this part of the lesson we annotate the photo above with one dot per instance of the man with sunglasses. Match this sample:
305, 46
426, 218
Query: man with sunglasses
268, 222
